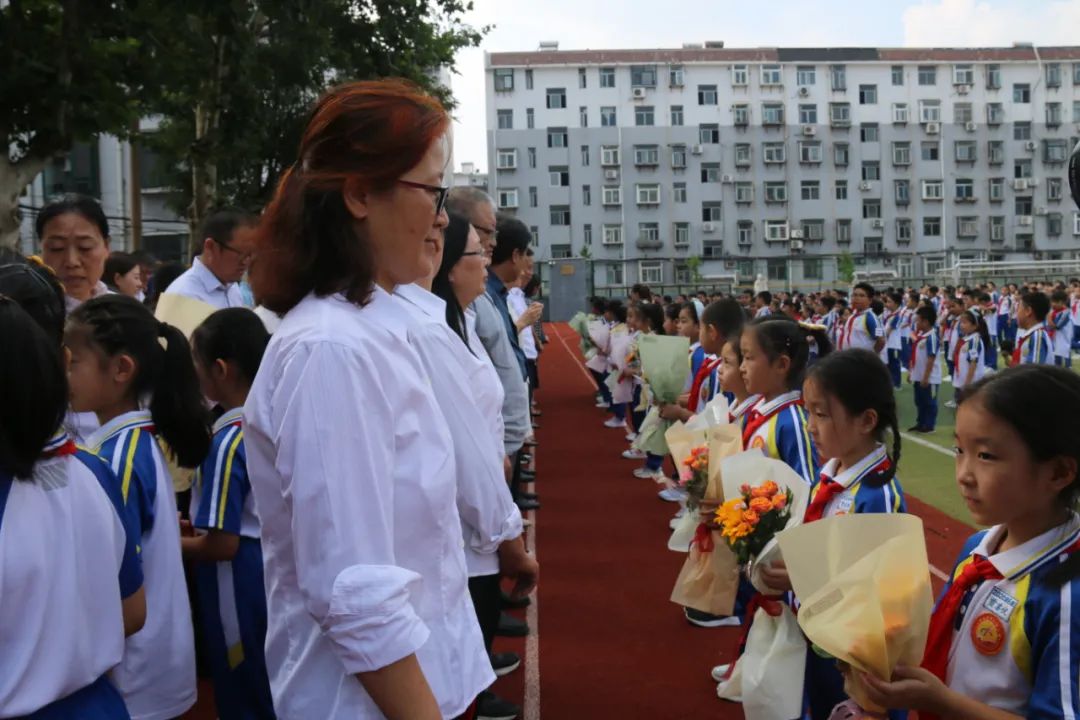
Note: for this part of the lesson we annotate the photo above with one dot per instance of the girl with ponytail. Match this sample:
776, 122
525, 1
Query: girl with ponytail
136, 374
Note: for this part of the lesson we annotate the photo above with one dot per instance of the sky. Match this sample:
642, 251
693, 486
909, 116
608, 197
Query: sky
520, 25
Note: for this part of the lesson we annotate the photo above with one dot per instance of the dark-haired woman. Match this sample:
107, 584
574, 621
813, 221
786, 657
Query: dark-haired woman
74, 237
123, 275
368, 604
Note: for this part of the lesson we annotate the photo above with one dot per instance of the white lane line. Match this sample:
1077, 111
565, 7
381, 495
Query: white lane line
531, 708
588, 375
926, 443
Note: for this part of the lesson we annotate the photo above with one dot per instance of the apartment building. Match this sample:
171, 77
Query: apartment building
784, 161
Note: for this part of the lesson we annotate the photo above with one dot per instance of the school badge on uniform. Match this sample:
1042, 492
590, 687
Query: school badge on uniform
988, 634
758, 442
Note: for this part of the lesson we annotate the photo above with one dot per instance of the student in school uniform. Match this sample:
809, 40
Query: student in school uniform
137, 375
731, 381
1033, 345
1059, 325
224, 536
616, 316
894, 335
71, 583
1004, 638
649, 322
969, 358
862, 329
1074, 312
990, 317
925, 373
950, 331
907, 327
829, 316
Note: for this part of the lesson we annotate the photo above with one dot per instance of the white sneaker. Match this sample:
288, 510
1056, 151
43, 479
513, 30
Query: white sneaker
631, 436
719, 672
601, 404
633, 454
950, 404
671, 495
614, 422
643, 473
674, 523
947, 378
681, 512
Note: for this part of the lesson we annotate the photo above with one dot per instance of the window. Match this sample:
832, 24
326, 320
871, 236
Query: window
560, 215
586, 235
583, 116
741, 114
1053, 75
929, 111
709, 134
805, 75
901, 153
651, 273
678, 157
644, 116
1053, 224
559, 176
710, 212
505, 119
1076, 223
843, 231
776, 230
840, 114
770, 75
813, 230
772, 113
775, 192
744, 192
504, 80
740, 76
1076, 111
611, 195
532, 157
556, 98
997, 189
964, 151
615, 270
993, 77
900, 113
773, 153
556, 137
841, 155
897, 75
965, 189
1053, 113
681, 233
927, 75
995, 152
810, 190
777, 269
613, 236
902, 192
868, 94
508, 198
962, 113
932, 189
609, 155
649, 232
742, 154
648, 194
997, 229
808, 114
607, 117
929, 150
1055, 151
995, 113
745, 234
873, 246
931, 227
710, 172
1021, 131
838, 77
903, 230
506, 159
1021, 169
607, 77
676, 115
582, 81
963, 75
841, 189
643, 76
530, 118
675, 76
561, 252
586, 195
1021, 93
678, 192
868, 132
528, 79
967, 226
871, 170
1053, 189
706, 94
532, 197
646, 155
810, 152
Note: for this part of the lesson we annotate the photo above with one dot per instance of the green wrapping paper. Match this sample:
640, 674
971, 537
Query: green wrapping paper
580, 324
665, 368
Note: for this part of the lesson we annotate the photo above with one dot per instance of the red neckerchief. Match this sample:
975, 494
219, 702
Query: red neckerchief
1018, 352
915, 340
703, 374
755, 419
1052, 327
957, 353
67, 448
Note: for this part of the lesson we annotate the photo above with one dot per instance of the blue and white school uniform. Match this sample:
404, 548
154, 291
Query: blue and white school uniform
737, 413
1061, 325
763, 311
907, 327
68, 556
829, 320
861, 330
894, 346
1006, 309
970, 353
926, 352
990, 317
1033, 346
778, 427
157, 674
1074, 317
230, 593
1017, 643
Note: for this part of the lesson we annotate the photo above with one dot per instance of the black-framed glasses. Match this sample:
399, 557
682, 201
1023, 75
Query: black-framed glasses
244, 256
437, 191
490, 232
472, 253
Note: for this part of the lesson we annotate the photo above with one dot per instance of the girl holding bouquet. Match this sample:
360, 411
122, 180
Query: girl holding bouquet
649, 320
731, 382
1004, 639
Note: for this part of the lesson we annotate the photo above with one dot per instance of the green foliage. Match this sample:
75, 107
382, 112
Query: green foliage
845, 267
585, 252
693, 264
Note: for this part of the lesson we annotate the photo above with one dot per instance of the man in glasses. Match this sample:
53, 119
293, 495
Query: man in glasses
215, 274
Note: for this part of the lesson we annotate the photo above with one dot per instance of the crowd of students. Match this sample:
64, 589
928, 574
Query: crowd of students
811, 381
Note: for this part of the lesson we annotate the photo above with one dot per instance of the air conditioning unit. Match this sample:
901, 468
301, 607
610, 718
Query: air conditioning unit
611, 174
727, 179
1020, 184
696, 150
1033, 182
1041, 211
933, 128
804, 92
639, 93
877, 224
970, 126
796, 244
708, 227
1031, 146
1023, 220
963, 89
809, 130
865, 185
796, 234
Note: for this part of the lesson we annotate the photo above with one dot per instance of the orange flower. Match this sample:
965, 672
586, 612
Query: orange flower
761, 505
779, 501
742, 530
750, 517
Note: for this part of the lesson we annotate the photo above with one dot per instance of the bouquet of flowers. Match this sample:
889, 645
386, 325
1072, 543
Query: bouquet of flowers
751, 520
694, 476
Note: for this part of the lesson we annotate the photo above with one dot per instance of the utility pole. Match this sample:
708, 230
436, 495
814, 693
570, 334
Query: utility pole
135, 186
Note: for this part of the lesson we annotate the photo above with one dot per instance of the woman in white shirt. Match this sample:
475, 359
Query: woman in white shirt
352, 462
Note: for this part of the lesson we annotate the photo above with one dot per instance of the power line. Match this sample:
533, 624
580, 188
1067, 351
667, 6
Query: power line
33, 210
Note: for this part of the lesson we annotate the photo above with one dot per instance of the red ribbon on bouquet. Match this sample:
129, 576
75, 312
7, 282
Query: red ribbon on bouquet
703, 539
771, 604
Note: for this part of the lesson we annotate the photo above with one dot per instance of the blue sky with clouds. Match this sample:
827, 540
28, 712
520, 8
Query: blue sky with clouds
578, 24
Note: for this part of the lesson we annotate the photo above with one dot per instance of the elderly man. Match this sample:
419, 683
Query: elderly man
214, 276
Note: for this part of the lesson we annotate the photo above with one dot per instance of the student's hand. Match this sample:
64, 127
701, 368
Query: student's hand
684, 400
668, 411
912, 688
776, 576
533, 313
518, 565
186, 528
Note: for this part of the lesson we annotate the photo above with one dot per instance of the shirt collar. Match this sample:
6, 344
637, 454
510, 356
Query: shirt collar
850, 476
1022, 559
430, 304
56, 441
71, 304
739, 410
767, 408
494, 284
388, 313
1021, 333
124, 421
207, 278
232, 417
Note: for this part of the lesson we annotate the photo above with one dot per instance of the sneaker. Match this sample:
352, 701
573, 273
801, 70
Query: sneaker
631, 436
950, 404
643, 473
719, 672
505, 663
601, 404
914, 428
705, 620
673, 522
490, 706
510, 626
671, 495
633, 454
614, 422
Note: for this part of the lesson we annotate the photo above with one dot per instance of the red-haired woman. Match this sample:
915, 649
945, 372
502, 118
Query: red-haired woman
351, 460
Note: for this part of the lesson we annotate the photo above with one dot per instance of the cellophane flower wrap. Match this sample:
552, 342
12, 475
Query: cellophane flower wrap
694, 476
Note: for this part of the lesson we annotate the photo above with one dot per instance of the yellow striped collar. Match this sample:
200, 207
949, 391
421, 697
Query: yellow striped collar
850, 476
229, 418
125, 421
767, 408
1022, 559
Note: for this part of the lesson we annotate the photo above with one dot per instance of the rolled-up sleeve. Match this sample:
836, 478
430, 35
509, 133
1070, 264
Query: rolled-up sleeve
333, 429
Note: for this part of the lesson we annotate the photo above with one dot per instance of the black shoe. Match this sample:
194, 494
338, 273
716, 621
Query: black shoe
531, 443
508, 602
524, 459
914, 428
536, 426
536, 413
510, 626
706, 620
505, 663
528, 476
524, 504
528, 496
490, 706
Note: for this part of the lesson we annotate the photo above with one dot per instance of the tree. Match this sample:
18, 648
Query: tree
845, 267
693, 264
69, 70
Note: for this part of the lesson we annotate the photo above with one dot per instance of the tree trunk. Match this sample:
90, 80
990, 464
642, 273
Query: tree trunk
204, 170
13, 180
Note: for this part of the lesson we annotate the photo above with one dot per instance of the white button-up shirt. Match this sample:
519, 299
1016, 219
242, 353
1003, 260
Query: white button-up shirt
488, 514
518, 304
352, 469
199, 283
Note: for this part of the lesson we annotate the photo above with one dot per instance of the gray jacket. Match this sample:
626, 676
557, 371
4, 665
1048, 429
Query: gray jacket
492, 333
